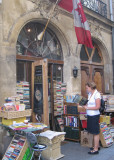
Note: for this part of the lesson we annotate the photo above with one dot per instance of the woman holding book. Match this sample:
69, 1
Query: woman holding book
93, 115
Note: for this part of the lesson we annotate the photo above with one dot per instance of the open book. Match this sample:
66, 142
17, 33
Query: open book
80, 100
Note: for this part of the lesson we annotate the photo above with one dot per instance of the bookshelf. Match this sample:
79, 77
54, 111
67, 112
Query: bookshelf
71, 122
59, 93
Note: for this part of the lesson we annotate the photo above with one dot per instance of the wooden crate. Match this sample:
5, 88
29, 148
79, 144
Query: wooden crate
81, 109
15, 114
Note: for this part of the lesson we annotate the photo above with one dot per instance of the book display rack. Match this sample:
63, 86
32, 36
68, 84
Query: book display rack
17, 148
105, 135
71, 122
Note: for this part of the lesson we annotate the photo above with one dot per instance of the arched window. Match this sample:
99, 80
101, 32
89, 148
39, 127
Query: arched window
29, 42
91, 55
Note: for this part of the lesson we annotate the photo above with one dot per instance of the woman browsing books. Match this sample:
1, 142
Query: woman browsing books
93, 115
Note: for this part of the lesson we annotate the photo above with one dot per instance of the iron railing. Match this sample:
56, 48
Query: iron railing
96, 5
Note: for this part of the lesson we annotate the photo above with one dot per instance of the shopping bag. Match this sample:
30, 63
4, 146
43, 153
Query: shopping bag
86, 139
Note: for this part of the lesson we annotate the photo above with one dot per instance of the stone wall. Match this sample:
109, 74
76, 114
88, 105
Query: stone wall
16, 14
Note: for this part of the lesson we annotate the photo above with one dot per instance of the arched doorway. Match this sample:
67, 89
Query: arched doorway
92, 68
39, 62
30, 48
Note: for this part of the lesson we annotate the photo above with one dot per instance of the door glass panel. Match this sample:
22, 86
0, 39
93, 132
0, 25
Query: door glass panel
23, 71
89, 51
58, 72
20, 71
96, 57
38, 91
83, 54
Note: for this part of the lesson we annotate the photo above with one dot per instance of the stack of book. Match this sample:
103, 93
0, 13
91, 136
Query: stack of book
23, 91
13, 99
59, 92
71, 121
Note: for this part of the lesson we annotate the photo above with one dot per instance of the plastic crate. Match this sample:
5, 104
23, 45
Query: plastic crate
9, 122
105, 119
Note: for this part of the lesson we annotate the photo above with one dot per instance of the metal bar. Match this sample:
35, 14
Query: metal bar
111, 11
96, 5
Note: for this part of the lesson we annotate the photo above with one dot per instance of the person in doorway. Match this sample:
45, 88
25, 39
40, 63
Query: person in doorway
93, 115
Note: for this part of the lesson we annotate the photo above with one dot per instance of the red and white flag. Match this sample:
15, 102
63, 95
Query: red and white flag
80, 22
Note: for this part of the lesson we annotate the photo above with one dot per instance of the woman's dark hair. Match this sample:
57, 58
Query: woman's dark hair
92, 85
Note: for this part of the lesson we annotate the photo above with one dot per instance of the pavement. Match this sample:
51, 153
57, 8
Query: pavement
74, 151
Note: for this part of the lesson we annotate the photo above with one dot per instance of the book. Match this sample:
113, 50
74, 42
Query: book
80, 100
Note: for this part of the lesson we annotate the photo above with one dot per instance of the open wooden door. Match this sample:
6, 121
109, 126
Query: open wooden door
39, 91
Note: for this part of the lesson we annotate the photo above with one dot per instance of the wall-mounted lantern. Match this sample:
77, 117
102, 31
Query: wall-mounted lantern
75, 71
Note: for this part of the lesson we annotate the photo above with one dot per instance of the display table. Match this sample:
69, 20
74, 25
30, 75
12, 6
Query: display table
30, 127
53, 141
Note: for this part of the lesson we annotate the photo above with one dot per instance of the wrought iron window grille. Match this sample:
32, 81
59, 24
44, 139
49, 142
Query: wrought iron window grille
96, 5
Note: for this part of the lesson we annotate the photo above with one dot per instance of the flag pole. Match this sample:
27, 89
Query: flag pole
42, 33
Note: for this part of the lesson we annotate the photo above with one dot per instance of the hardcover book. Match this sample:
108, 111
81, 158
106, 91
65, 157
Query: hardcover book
80, 100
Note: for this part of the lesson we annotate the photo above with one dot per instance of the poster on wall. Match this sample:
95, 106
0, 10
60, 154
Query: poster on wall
38, 90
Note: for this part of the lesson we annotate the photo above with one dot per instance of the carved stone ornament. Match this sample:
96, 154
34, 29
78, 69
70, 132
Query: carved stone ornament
96, 30
45, 7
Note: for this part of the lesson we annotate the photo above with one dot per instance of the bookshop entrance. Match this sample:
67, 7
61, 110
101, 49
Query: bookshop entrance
45, 73
41, 74
40, 63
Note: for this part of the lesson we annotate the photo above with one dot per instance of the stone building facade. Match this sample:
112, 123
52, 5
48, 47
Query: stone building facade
14, 15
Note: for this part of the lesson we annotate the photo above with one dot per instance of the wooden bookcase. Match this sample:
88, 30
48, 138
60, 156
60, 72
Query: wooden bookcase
71, 122
59, 92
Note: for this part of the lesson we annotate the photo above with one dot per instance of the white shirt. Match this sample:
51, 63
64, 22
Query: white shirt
91, 103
